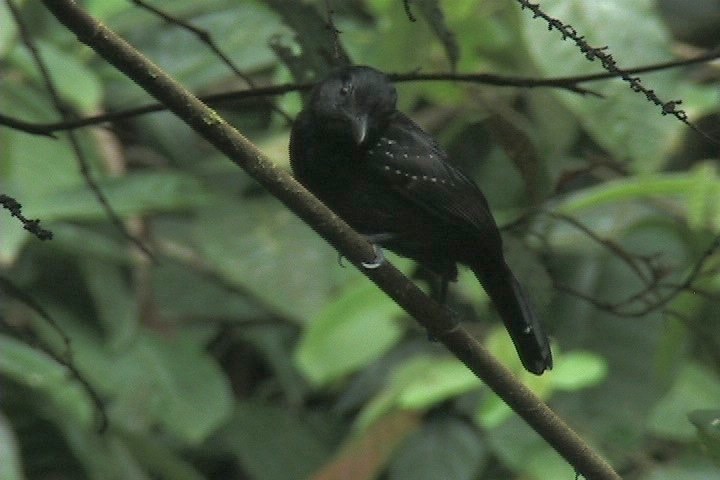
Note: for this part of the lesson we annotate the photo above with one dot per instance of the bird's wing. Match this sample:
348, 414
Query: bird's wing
412, 162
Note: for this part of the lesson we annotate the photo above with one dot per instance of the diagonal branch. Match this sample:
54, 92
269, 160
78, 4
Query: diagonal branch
430, 314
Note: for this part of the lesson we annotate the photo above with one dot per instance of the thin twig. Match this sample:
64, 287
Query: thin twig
567, 83
610, 64
32, 226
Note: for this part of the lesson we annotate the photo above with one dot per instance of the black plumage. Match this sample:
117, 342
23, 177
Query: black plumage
391, 181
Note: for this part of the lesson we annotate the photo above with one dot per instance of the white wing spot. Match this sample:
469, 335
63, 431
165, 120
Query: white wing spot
391, 142
433, 179
398, 172
387, 167
414, 177
405, 155
424, 177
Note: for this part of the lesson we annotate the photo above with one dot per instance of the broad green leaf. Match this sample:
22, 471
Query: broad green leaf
8, 30
492, 410
435, 381
273, 442
259, 245
443, 448
133, 194
707, 423
160, 459
521, 449
348, 334
36, 370
181, 291
576, 370
622, 121
175, 383
704, 198
695, 388
75, 82
419, 383
689, 469
243, 30
10, 458
23, 157
633, 188
103, 456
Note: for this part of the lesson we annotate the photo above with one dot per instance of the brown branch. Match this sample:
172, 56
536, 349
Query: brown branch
567, 83
430, 314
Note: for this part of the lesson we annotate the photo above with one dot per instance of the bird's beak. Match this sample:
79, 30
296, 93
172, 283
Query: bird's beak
359, 128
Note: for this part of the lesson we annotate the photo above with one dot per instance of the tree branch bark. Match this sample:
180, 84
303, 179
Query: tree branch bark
207, 123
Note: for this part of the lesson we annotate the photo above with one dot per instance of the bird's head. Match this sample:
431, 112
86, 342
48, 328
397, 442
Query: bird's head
354, 102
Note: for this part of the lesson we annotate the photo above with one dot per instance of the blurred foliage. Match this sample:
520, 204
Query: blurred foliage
245, 351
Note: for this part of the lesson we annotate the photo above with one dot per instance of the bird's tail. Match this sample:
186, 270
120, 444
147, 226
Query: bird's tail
513, 305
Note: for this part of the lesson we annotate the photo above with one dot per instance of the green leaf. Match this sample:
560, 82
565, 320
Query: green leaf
10, 459
274, 443
175, 383
159, 459
704, 198
433, 14
36, 370
257, 244
244, 29
429, 381
690, 469
418, 383
443, 448
578, 369
103, 456
181, 291
707, 423
626, 189
8, 30
521, 449
350, 333
133, 194
75, 82
695, 388
30, 166
622, 121
115, 304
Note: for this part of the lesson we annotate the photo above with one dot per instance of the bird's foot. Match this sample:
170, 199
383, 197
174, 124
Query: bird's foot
377, 261
455, 316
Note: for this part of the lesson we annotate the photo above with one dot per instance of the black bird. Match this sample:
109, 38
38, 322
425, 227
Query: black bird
391, 181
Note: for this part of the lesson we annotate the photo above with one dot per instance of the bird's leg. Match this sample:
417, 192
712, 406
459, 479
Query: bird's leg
377, 261
443, 291
377, 239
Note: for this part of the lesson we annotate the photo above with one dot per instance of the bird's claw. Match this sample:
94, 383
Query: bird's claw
377, 261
